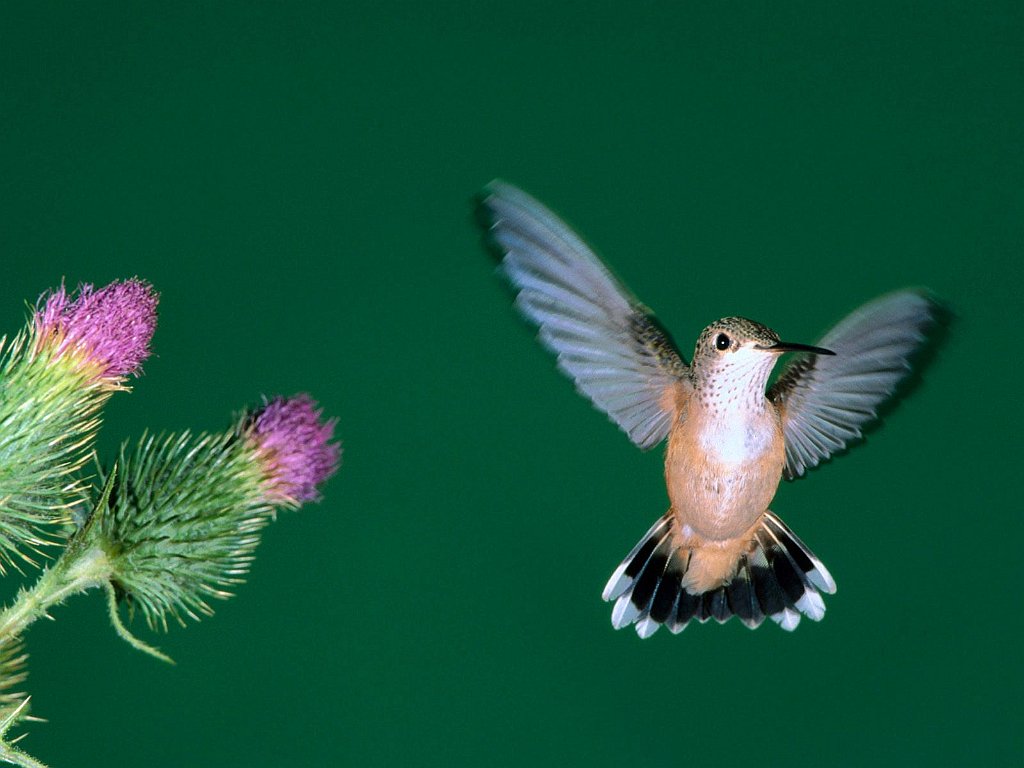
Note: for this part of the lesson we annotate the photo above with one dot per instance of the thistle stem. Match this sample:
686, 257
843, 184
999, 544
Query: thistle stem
77, 569
10, 753
15, 756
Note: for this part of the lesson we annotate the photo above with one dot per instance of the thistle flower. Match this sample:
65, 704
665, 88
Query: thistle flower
185, 512
107, 332
54, 378
293, 447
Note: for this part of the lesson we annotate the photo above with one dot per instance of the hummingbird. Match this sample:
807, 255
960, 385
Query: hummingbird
719, 551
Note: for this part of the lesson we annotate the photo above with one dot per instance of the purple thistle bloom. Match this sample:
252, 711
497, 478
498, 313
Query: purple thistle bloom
112, 326
294, 446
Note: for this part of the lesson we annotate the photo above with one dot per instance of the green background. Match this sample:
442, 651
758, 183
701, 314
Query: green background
296, 180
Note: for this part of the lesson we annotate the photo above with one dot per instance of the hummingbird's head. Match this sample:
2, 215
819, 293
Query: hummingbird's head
734, 357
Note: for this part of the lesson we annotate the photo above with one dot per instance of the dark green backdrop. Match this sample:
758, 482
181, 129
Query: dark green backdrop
296, 179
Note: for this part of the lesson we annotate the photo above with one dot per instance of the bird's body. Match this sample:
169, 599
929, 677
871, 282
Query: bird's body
721, 472
723, 464
718, 551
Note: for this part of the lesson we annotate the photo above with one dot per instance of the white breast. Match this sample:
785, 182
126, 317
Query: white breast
736, 440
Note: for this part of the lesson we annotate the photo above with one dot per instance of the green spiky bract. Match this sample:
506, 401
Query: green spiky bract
182, 522
13, 704
49, 408
13, 672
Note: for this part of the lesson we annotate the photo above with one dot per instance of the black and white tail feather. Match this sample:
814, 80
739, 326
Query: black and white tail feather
778, 578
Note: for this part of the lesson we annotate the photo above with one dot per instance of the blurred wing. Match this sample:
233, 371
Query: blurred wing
825, 401
605, 340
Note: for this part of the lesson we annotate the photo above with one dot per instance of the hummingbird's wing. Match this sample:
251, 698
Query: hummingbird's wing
825, 401
606, 341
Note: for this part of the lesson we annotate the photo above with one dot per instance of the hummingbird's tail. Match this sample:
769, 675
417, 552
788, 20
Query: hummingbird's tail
774, 575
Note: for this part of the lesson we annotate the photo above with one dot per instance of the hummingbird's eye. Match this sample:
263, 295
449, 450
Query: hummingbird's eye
722, 342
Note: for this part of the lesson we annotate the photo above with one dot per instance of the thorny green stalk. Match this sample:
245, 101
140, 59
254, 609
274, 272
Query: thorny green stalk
82, 566
76, 571
9, 753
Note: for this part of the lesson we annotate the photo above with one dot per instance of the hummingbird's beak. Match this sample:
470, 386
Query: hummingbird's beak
788, 346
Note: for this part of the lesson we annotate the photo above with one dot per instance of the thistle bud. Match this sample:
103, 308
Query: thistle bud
56, 375
185, 512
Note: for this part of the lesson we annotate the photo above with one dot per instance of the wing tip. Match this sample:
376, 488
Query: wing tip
495, 188
917, 319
